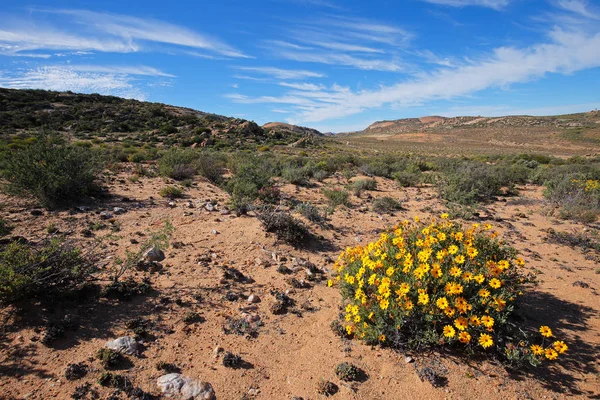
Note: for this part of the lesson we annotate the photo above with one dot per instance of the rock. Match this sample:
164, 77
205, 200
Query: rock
185, 388
171, 204
214, 232
190, 204
581, 284
36, 213
119, 210
83, 208
408, 359
217, 351
124, 344
209, 207
253, 299
154, 254
225, 212
105, 215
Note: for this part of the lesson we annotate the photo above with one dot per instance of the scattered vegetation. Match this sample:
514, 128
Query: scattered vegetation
287, 228
109, 359
362, 185
171, 192
336, 197
347, 372
386, 204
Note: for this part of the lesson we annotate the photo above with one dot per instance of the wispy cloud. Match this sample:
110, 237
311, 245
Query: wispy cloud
579, 7
565, 52
343, 41
495, 4
104, 32
279, 73
116, 80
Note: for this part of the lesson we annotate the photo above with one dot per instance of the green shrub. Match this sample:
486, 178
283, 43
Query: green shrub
178, 164
363, 184
471, 183
51, 171
336, 197
578, 198
296, 176
386, 204
438, 283
171, 192
28, 270
108, 358
310, 212
407, 179
210, 167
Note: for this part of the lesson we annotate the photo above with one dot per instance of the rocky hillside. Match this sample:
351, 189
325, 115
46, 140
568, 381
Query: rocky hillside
287, 129
437, 123
113, 119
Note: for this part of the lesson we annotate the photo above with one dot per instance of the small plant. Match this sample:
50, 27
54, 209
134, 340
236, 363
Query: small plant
310, 212
171, 192
117, 381
362, 185
178, 164
347, 372
125, 290
326, 388
336, 197
52, 228
284, 226
231, 360
269, 194
5, 228
76, 371
108, 358
193, 317
386, 204
241, 327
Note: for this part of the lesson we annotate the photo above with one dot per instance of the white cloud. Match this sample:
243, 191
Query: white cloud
495, 4
579, 7
117, 81
565, 52
279, 73
104, 32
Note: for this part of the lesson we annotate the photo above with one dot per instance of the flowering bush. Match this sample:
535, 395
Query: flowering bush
437, 283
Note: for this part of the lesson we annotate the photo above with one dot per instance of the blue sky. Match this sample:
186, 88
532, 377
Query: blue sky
329, 64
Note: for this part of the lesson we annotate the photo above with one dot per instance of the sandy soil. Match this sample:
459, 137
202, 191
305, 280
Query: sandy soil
292, 352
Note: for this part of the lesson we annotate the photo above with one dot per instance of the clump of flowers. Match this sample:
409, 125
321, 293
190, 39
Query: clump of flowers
588, 185
437, 282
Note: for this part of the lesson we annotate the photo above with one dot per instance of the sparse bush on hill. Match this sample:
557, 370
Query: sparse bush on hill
439, 283
171, 192
178, 164
471, 183
211, 166
310, 212
51, 171
29, 270
386, 204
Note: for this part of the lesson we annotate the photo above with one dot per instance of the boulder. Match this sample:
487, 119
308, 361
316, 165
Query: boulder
124, 345
182, 387
154, 254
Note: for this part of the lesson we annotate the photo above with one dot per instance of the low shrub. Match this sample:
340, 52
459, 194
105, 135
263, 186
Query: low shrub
52, 171
310, 212
363, 184
407, 178
471, 183
28, 270
287, 228
296, 176
336, 197
178, 164
5, 227
578, 198
211, 167
439, 283
386, 204
171, 192
108, 358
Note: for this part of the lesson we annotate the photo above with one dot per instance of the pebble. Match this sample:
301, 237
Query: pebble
253, 298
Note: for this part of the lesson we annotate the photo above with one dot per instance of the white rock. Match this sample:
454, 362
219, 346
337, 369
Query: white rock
105, 215
119, 210
181, 387
209, 207
253, 298
171, 204
124, 344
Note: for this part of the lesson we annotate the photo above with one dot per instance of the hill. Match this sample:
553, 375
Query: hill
113, 119
561, 135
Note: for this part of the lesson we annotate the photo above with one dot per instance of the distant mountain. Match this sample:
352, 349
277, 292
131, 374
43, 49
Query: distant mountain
441, 124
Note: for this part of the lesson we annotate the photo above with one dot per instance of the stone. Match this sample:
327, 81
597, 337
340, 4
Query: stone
185, 388
408, 359
154, 254
253, 298
119, 210
105, 215
124, 344
209, 207
225, 212
190, 204
171, 204
83, 208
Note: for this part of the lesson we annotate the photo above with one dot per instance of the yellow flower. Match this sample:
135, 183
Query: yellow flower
329, 283
381, 338
436, 271
384, 304
449, 312
479, 278
442, 303
455, 271
453, 249
423, 298
372, 279
545, 331
408, 305
484, 293
461, 323
472, 252
390, 271
349, 329
474, 320
503, 265
495, 283
464, 337
560, 346
417, 219
449, 331
537, 349
403, 289
357, 319
444, 216
371, 315
485, 340
459, 259
487, 321
551, 354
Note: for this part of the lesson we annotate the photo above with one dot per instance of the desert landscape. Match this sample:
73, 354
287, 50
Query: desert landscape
150, 251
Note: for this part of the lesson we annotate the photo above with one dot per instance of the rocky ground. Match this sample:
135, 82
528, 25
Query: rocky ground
225, 286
